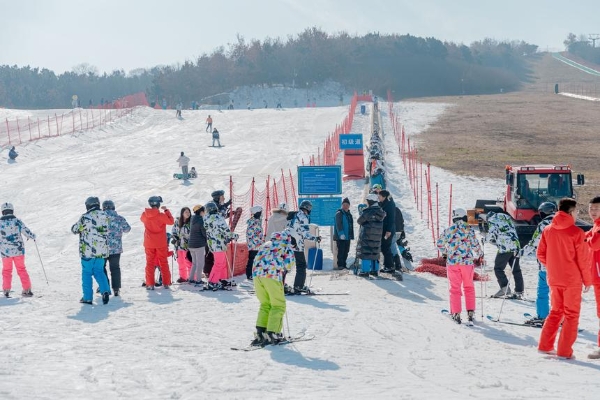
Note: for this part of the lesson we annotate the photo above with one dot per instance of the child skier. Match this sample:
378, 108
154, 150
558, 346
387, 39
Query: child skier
92, 229
254, 237
12, 250
593, 241
117, 225
298, 228
156, 243
218, 235
180, 236
460, 248
273, 260
215, 136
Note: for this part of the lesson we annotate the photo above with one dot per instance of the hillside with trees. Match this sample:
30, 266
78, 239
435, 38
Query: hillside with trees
408, 65
583, 47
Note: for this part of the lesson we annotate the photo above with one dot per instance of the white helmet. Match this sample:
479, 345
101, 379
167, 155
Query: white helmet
372, 198
458, 213
255, 209
7, 207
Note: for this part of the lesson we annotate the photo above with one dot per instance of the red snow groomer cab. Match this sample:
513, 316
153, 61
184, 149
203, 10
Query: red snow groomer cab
527, 187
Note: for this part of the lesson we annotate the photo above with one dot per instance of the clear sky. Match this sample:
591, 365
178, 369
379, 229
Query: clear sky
129, 34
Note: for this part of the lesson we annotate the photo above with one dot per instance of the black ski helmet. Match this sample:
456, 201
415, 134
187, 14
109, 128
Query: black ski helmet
216, 195
547, 208
306, 205
108, 205
211, 207
92, 203
155, 201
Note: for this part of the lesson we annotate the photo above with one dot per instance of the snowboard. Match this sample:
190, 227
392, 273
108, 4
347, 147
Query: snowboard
180, 176
218, 147
236, 218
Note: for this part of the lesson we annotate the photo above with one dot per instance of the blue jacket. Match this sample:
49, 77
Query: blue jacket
344, 225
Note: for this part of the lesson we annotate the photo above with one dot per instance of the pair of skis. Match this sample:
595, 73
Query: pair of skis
302, 337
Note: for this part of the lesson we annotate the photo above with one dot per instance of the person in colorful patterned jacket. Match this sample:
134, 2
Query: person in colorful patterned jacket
156, 244
117, 226
12, 250
460, 248
503, 234
254, 237
180, 236
298, 228
592, 238
92, 229
542, 302
218, 235
273, 260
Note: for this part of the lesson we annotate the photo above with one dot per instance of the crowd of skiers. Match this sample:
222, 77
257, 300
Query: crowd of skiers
568, 260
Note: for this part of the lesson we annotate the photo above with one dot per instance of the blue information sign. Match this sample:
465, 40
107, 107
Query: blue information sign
351, 141
320, 180
323, 209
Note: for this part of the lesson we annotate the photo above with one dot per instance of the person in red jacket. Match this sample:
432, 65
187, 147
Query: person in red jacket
155, 240
563, 251
593, 240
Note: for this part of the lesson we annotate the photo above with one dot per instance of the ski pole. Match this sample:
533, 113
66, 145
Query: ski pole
42, 264
512, 267
314, 263
287, 324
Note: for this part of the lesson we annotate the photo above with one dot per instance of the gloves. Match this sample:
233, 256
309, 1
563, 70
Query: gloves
342, 237
318, 239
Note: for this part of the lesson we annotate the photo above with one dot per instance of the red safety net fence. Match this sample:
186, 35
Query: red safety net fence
24, 129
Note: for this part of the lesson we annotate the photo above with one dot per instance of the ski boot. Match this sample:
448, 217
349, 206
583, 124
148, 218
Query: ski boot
456, 318
27, 293
288, 290
116, 292
105, 297
502, 293
260, 337
275, 338
83, 301
535, 321
471, 316
300, 290
7, 293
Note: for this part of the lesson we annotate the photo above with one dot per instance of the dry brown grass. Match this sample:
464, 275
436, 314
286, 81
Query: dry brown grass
482, 134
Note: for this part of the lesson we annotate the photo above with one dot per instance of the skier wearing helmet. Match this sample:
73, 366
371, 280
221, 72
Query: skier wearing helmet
156, 244
298, 228
254, 237
218, 235
12, 250
542, 302
92, 229
460, 248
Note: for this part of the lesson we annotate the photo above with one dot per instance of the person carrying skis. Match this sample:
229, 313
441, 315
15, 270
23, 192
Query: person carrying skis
92, 229
461, 249
197, 244
215, 136
273, 261
12, 250
565, 254
117, 225
369, 237
542, 302
278, 219
343, 233
184, 161
180, 236
503, 234
208, 123
592, 238
218, 235
298, 228
254, 237
156, 244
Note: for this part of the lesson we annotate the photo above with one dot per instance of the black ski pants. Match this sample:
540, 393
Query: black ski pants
251, 255
386, 249
500, 263
300, 279
343, 247
114, 262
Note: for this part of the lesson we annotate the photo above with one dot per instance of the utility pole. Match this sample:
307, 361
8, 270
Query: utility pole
593, 37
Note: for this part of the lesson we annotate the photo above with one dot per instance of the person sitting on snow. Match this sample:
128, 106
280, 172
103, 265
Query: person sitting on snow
12, 154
